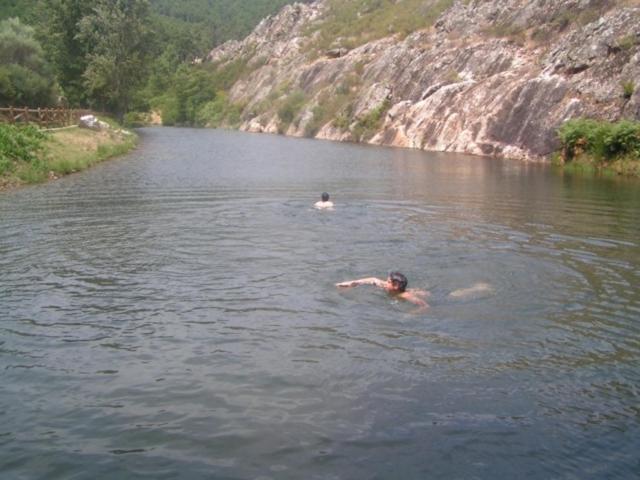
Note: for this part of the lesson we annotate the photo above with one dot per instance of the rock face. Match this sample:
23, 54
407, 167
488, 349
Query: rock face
489, 77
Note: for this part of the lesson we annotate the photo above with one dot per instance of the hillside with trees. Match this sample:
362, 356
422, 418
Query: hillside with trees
115, 55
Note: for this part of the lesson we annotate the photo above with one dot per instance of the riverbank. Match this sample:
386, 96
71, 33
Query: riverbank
588, 165
48, 155
597, 147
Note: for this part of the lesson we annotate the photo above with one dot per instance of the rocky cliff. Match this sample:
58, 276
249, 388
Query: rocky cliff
486, 77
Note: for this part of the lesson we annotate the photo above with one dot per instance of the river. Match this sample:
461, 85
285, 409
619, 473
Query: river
173, 314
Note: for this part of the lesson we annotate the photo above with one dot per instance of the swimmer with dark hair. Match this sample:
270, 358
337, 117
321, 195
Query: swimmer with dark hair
324, 203
396, 285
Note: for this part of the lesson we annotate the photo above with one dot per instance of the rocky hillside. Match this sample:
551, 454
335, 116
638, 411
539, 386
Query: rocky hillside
487, 77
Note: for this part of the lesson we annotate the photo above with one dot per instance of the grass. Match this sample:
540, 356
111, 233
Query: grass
586, 165
64, 151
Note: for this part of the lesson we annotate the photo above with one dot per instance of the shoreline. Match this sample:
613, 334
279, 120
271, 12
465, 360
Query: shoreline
69, 150
623, 167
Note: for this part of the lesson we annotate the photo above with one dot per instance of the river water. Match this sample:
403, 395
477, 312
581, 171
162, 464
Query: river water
172, 314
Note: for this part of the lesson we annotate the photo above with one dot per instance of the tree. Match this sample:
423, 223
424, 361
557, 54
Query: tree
117, 35
67, 51
26, 79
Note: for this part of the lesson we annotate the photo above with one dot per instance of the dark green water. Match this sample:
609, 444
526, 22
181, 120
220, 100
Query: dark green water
172, 314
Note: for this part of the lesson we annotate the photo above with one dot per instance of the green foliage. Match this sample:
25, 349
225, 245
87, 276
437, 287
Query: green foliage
290, 108
319, 118
26, 79
25, 10
366, 126
118, 31
627, 42
572, 15
134, 119
18, 144
603, 141
628, 88
213, 22
349, 23
188, 94
100, 53
335, 108
226, 75
512, 32
343, 120
218, 112
67, 49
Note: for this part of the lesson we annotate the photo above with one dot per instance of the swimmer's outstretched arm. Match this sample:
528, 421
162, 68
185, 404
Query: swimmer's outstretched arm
362, 281
416, 300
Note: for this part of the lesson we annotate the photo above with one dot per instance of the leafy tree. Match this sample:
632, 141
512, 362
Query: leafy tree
118, 34
67, 51
190, 88
26, 79
25, 10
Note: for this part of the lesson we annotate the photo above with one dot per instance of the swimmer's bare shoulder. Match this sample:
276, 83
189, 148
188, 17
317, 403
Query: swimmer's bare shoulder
416, 297
323, 205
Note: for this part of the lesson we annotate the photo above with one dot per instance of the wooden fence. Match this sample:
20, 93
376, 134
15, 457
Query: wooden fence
44, 117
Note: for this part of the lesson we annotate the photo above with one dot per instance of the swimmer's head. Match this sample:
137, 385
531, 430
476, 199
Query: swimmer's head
325, 197
398, 281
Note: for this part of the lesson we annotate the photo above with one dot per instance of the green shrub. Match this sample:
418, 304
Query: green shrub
623, 139
349, 23
627, 42
604, 141
134, 119
366, 127
290, 108
19, 143
219, 111
628, 88
168, 107
320, 117
5, 165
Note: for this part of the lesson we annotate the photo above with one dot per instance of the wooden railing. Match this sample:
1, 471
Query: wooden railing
44, 117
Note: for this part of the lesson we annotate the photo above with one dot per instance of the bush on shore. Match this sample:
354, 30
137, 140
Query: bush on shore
603, 141
19, 144
30, 155
614, 146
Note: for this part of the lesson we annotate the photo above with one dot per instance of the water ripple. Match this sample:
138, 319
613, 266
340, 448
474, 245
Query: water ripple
173, 313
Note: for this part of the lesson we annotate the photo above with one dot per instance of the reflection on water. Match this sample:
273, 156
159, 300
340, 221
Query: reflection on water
172, 314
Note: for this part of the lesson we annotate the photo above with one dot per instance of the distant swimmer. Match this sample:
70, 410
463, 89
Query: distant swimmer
396, 285
324, 203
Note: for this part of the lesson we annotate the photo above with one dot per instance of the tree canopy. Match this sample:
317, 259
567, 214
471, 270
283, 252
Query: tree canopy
25, 76
117, 35
119, 55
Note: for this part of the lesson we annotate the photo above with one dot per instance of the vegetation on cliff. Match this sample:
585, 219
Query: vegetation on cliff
352, 23
480, 77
